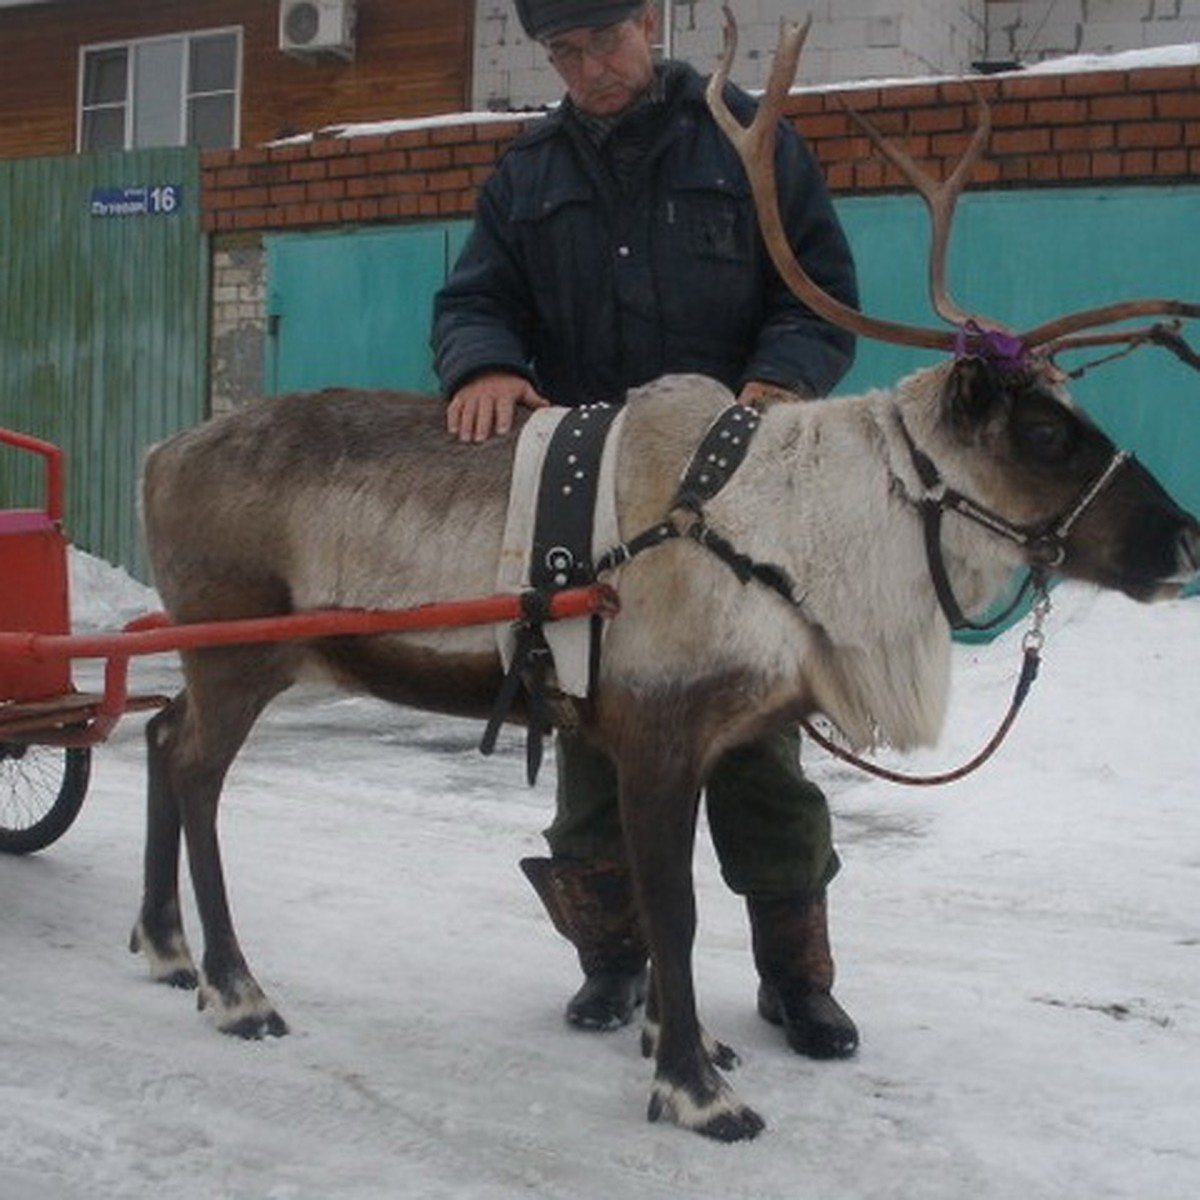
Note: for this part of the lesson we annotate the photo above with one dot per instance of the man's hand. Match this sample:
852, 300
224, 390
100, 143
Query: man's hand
484, 407
755, 392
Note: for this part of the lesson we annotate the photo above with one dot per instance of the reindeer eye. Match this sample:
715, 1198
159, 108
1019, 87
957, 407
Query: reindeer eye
1045, 438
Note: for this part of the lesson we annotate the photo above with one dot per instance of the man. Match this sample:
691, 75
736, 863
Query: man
617, 242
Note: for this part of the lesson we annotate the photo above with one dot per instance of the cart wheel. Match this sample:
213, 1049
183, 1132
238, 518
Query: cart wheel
41, 791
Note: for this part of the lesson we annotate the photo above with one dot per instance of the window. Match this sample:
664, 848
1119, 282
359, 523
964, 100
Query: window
171, 91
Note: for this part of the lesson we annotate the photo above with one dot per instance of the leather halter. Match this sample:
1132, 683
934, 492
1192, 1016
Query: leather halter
1045, 542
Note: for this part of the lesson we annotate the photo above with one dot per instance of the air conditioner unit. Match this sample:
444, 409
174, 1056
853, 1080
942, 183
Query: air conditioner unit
312, 27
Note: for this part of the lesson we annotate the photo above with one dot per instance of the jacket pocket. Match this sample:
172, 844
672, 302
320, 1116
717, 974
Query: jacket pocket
710, 217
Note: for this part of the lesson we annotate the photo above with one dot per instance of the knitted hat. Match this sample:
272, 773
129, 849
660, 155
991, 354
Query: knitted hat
543, 18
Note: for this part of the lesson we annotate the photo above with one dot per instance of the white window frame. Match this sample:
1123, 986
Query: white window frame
129, 45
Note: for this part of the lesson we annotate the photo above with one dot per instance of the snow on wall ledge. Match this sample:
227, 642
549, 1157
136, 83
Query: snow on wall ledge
1132, 117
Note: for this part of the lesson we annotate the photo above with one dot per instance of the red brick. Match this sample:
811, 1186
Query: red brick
804, 104
1031, 87
367, 185
367, 143
937, 120
288, 153
1094, 83
265, 173
327, 190
1020, 141
410, 181
448, 181
1076, 166
1009, 112
1057, 112
328, 147
917, 95
451, 135
865, 99
291, 193
1121, 108
1177, 105
232, 177
1150, 133
825, 125
1171, 162
250, 197
355, 164
1161, 79
1044, 168
500, 131
1084, 137
430, 159
1137, 164
840, 177
404, 139
467, 155
308, 170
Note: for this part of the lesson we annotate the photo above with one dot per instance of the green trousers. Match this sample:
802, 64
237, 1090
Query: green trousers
770, 824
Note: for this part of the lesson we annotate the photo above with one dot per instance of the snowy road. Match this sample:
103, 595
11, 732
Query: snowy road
1021, 950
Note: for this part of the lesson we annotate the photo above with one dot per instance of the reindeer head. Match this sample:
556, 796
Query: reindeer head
1019, 459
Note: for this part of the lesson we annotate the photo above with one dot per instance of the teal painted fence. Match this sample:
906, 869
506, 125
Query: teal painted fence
103, 330
352, 308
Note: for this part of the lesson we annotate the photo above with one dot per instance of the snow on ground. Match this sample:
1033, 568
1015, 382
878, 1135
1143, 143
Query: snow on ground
1021, 950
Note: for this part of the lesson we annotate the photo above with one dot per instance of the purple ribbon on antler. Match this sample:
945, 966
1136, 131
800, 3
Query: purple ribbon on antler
1005, 351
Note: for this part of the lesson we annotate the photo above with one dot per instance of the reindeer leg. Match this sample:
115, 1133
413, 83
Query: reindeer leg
658, 813
226, 692
158, 933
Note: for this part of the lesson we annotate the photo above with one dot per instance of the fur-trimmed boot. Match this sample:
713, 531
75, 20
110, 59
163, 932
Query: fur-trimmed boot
795, 966
591, 904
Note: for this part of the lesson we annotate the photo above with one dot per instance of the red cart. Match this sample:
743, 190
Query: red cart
48, 727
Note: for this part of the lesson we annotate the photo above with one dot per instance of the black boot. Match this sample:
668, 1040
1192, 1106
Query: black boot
791, 950
591, 904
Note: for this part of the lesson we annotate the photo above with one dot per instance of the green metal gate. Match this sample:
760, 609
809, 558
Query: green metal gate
352, 307
103, 326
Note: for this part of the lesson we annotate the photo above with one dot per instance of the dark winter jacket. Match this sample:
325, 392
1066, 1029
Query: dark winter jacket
587, 286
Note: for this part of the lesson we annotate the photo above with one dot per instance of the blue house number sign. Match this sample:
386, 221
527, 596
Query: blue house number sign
158, 200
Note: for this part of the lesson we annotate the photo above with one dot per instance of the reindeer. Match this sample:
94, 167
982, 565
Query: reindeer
963, 472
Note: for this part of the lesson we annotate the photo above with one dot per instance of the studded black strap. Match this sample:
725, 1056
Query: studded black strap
562, 532
719, 454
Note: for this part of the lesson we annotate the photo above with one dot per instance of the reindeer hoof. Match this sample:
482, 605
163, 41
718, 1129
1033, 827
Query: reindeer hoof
241, 1009
723, 1117
170, 962
255, 1027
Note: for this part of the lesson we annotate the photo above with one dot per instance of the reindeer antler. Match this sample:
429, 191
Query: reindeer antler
940, 198
755, 145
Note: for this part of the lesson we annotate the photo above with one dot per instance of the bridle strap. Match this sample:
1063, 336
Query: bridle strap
1045, 543
1032, 650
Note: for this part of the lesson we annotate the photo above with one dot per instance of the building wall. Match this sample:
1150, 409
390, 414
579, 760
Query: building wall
1032, 30
852, 39
1101, 128
412, 59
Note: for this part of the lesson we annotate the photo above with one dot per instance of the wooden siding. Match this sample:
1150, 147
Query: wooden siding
413, 59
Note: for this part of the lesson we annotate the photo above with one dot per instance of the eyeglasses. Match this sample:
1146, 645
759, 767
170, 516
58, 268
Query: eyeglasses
600, 43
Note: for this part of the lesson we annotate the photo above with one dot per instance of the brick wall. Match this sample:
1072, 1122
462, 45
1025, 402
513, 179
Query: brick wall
1104, 127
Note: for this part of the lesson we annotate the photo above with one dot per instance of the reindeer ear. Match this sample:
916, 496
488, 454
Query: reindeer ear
973, 393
